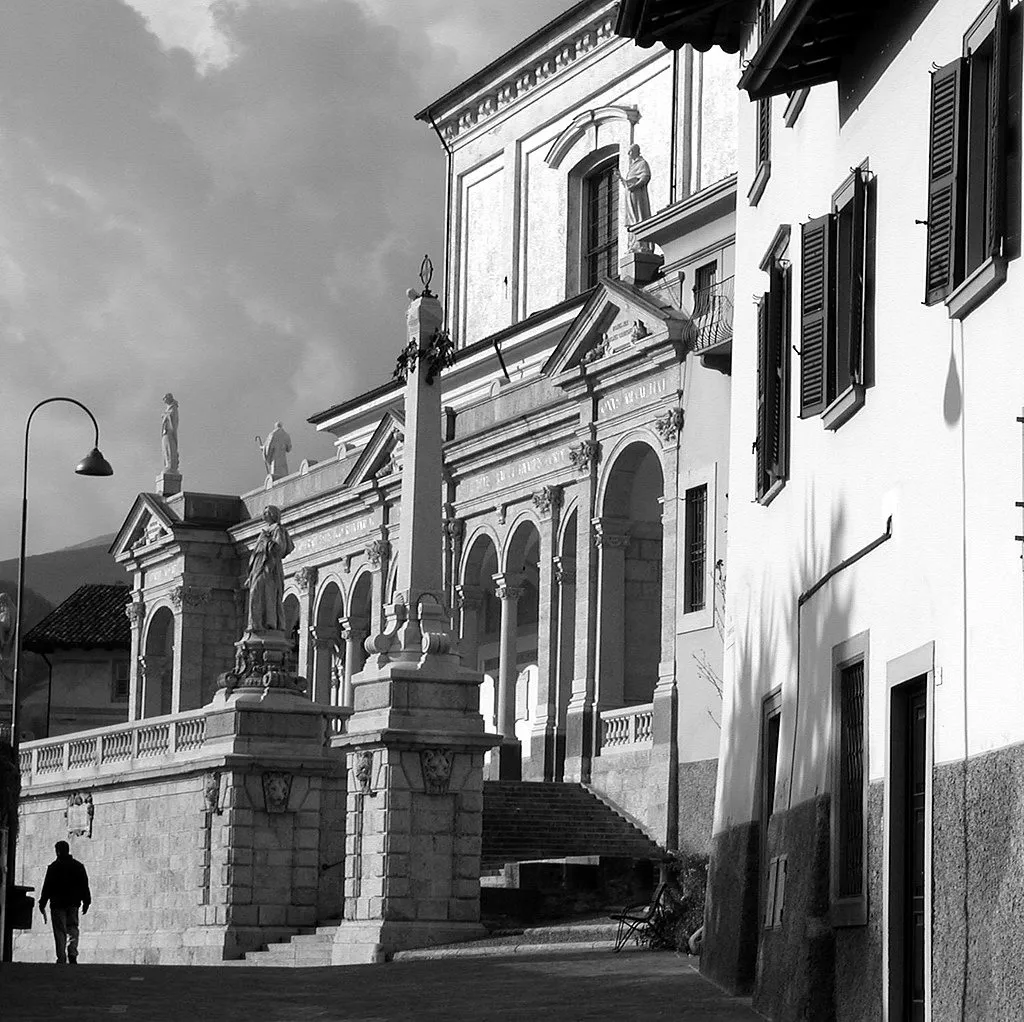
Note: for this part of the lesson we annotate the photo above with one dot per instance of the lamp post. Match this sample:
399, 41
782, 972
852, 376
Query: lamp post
93, 464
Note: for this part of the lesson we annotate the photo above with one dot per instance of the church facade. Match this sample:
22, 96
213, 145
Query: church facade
589, 262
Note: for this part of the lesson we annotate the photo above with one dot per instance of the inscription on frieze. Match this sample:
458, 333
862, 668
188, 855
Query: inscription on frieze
507, 475
636, 396
334, 536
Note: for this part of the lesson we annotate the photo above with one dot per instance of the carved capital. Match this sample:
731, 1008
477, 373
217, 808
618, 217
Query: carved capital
548, 499
305, 579
507, 587
564, 570
352, 629
585, 454
611, 533
135, 612
670, 424
378, 551
454, 529
324, 636
190, 597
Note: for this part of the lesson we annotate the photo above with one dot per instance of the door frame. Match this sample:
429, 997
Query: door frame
917, 663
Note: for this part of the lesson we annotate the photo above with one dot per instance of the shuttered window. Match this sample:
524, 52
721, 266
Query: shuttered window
967, 155
771, 443
833, 298
696, 548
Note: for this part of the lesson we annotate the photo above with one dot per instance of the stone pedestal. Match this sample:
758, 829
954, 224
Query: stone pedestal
640, 268
168, 483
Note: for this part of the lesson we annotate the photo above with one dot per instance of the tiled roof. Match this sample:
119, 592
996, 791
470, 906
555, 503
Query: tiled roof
91, 617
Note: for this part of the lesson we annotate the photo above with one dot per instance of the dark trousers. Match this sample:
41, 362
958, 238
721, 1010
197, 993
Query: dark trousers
65, 933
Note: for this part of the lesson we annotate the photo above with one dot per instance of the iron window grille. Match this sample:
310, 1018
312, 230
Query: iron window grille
601, 226
696, 548
850, 849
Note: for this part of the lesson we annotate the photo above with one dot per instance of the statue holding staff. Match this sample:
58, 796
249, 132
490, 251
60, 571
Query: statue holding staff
638, 207
275, 448
266, 575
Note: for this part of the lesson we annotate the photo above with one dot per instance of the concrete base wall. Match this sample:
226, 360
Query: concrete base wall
630, 781
697, 805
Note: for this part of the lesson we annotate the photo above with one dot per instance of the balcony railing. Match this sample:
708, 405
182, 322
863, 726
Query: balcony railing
712, 314
630, 726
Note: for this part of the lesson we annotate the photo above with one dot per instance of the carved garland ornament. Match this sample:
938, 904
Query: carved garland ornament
548, 499
364, 772
377, 551
135, 612
277, 788
306, 578
190, 596
79, 814
669, 425
436, 355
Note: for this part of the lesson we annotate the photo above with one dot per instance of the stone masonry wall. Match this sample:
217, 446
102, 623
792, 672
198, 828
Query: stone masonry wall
192, 868
642, 614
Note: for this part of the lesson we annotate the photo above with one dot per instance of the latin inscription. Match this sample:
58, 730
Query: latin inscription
499, 478
633, 397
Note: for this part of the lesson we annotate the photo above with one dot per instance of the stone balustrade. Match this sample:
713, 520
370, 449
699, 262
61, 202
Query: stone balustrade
629, 726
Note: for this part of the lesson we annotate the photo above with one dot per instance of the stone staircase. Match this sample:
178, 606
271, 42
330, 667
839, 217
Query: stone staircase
530, 820
523, 822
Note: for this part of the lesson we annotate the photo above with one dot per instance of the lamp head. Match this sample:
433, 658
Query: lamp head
94, 464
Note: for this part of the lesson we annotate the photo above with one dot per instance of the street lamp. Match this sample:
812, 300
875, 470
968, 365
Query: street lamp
93, 464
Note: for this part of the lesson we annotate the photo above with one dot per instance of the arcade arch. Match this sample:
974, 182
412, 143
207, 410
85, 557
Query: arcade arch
157, 666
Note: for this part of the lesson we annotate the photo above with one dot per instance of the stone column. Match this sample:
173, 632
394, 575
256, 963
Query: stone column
378, 553
580, 723
541, 763
325, 641
470, 599
305, 579
611, 536
415, 742
353, 632
510, 756
565, 578
136, 612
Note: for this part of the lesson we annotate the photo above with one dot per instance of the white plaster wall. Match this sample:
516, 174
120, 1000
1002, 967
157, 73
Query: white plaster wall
901, 454
486, 270
718, 100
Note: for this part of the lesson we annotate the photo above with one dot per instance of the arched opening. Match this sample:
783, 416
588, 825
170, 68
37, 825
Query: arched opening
328, 656
517, 671
292, 619
629, 579
156, 666
565, 652
355, 630
480, 623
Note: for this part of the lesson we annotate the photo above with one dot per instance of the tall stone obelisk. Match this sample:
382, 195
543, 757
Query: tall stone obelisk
415, 742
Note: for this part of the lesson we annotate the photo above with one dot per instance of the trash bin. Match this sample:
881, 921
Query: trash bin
21, 907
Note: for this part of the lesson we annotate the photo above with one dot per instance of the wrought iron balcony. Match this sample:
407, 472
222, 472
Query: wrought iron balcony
712, 314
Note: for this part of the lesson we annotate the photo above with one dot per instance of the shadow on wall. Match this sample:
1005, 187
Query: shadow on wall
794, 968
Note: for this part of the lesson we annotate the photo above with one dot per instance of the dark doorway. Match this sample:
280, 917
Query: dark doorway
771, 717
908, 781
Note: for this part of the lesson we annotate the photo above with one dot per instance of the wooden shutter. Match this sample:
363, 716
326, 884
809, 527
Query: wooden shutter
761, 440
816, 285
995, 214
773, 377
944, 257
858, 276
764, 130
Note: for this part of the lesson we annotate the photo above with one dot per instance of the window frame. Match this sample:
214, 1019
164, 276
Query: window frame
967, 222
707, 476
610, 246
114, 696
849, 911
694, 509
774, 311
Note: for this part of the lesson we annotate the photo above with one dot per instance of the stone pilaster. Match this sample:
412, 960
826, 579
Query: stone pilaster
611, 537
470, 600
325, 640
354, 631
508, 589
305, 580
136, 613
189, 602
564, 578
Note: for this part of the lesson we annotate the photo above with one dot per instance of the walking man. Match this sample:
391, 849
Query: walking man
66, 887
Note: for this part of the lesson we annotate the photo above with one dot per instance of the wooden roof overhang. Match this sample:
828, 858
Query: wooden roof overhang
675, 23
805, 46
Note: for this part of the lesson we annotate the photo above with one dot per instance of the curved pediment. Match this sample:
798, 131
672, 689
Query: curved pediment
579, 125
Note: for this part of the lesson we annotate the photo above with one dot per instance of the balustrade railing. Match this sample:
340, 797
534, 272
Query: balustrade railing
628, 726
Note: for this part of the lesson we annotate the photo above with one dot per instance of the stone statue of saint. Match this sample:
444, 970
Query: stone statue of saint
266, 575
169, 434
275, 447
638, 176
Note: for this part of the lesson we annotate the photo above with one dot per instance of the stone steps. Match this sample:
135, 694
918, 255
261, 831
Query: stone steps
525, 820
307, 950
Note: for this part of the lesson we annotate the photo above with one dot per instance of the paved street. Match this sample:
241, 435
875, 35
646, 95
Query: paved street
570, 986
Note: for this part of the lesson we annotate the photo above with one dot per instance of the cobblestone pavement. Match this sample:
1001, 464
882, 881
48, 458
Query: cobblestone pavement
553, 987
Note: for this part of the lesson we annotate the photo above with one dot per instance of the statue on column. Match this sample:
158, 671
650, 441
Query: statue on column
638, 206
266, 575
169, 434
275, 449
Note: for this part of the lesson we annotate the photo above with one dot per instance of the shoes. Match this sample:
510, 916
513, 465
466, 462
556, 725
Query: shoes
72, 961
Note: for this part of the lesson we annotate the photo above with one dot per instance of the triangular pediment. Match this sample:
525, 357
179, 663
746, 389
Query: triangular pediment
147, 523
378, 456
617, 315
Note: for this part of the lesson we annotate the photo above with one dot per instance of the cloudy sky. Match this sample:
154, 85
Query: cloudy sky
222, 198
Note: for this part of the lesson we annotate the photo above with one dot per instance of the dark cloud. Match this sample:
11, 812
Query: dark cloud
240, 232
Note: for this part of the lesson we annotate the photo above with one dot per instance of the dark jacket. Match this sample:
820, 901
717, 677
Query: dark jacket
66, 884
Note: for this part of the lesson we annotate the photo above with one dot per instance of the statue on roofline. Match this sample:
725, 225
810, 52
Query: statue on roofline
169, 434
